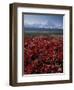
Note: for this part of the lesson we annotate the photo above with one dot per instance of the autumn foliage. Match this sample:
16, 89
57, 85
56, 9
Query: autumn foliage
43, 54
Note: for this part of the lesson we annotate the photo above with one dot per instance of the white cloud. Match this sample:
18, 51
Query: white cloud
40, 24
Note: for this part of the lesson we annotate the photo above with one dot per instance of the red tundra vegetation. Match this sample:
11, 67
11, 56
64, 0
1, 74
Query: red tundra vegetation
43, 54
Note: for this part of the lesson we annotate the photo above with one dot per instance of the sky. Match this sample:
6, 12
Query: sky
43, 21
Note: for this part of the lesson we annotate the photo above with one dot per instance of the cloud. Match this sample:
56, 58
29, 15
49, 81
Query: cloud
39, 21
37, 24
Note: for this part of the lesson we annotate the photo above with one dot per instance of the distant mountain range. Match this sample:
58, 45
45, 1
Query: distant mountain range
43, 30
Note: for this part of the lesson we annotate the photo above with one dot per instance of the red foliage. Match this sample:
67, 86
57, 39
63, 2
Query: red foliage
43, 54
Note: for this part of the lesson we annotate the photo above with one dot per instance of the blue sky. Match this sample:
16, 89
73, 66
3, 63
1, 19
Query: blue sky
43, 21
